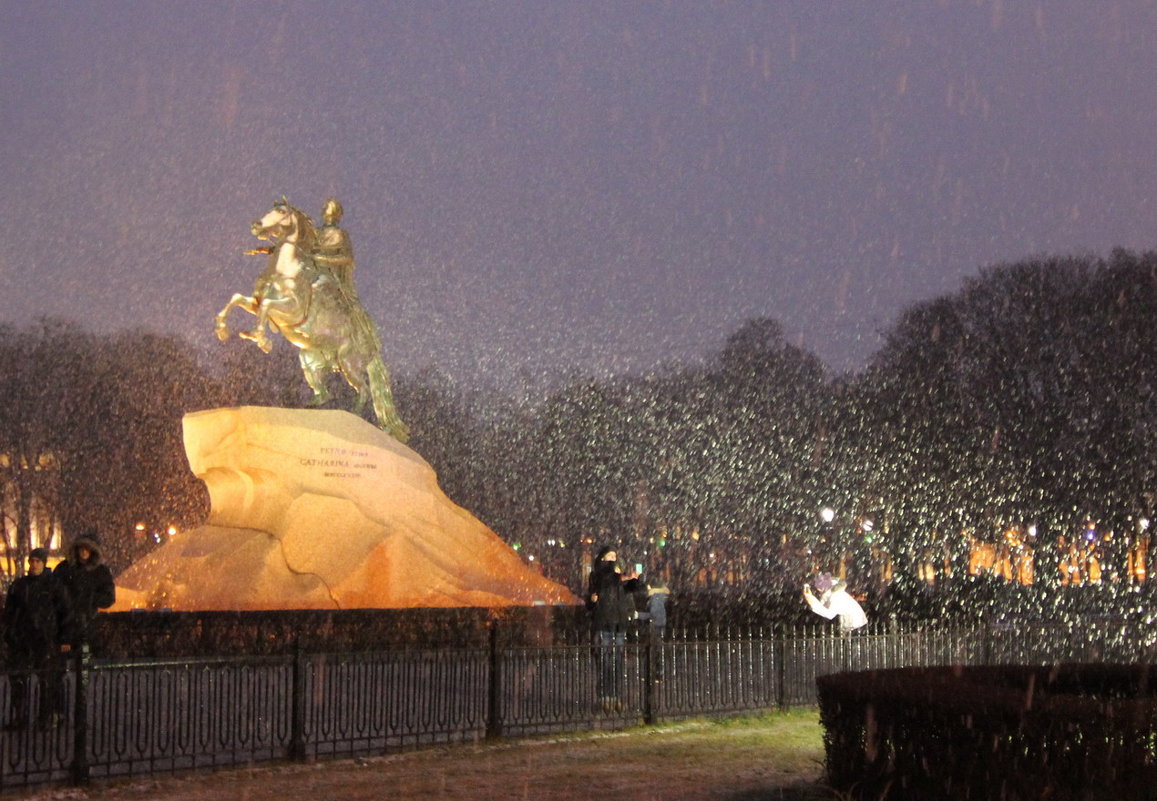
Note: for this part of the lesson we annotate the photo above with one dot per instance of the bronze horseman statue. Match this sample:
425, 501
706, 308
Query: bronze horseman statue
307, 293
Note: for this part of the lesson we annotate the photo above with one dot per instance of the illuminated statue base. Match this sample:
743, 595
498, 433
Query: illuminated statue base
318, 509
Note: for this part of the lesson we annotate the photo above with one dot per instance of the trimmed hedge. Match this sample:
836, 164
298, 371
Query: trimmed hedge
1072, 731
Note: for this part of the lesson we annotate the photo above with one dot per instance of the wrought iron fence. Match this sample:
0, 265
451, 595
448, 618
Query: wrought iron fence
140, 717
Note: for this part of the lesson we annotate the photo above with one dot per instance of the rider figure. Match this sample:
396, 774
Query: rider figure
334, 254
334, 251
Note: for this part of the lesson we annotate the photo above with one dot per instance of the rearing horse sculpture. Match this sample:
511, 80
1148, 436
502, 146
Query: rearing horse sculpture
308, 306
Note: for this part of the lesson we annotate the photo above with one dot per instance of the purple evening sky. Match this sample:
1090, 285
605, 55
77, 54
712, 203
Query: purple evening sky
534, 186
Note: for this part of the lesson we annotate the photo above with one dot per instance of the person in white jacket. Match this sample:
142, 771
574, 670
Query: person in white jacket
834, 601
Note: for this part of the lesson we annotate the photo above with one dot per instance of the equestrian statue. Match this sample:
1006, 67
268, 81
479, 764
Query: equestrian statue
307, 294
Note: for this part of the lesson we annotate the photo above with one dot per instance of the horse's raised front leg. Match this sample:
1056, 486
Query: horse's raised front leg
238, 300
257, 335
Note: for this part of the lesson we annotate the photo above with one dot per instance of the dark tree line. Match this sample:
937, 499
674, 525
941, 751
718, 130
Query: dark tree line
1023, 400
1027, 397
90, 433
87, 439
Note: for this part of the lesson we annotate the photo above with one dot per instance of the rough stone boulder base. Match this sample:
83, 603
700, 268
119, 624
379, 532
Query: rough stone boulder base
318, 509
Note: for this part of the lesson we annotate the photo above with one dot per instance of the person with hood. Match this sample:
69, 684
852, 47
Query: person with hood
89, 584
657, 594
611, 604
37, 618
835, 601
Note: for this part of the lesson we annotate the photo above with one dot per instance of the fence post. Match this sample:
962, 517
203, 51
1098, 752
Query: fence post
494, 688
80, 767
779, 650
649, 681
298, 695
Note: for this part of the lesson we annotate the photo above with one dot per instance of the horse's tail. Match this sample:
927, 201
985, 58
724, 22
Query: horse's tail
383, 399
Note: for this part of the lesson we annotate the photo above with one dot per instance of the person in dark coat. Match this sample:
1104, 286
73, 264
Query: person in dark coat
89, 584
611, 604
37, 619
657, 595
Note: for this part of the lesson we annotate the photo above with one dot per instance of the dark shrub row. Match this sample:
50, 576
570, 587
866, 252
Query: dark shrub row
125, 635
1003, 732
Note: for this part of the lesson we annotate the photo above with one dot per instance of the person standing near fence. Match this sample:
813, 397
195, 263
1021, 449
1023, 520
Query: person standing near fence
656, 617
89, 583
37, 618
611, 604
657, 595
835, 601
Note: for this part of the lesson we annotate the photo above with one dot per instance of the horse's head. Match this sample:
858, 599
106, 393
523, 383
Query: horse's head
286, 223
280, 222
